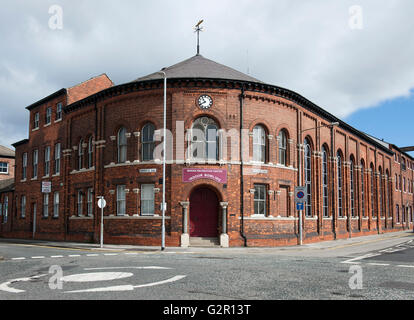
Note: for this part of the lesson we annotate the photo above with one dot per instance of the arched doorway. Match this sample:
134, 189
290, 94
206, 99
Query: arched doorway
204, 208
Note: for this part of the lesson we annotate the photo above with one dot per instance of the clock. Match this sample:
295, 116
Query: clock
205, 102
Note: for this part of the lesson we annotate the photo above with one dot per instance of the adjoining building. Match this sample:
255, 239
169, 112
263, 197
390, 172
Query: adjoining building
237, 149
7, 156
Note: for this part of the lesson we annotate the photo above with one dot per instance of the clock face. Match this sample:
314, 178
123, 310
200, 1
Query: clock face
205, 102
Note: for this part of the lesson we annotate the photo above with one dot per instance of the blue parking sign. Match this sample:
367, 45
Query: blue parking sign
299, 206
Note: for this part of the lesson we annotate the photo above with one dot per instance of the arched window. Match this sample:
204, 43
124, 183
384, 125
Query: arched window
90, 152
282, 148
325, 182
387, 195
352, 186
380, 193
259, 144
122, 145
308, 176
363, 187
397, 213
372, 191
80, 155
205, 140
340, 181
148, 143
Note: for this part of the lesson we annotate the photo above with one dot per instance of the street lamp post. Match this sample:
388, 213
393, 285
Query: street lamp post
163, 164
301, 146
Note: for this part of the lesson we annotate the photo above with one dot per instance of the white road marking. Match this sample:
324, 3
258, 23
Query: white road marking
92, 255
56, 256
369, 255
20, 258
39, 257
131, 253
74, 255
5, 286
405, 266
110, 254
144, 268
129, 287
379, 264
98, 276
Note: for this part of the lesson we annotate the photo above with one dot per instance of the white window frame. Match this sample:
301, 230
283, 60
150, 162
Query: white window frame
24, 166
47, 161
57, 158
56, 201
59, 111
258, 201
23, 206
120, 200
48, 118
45, 205
35, 163
90, 202
2, 163
80, 203
147, 204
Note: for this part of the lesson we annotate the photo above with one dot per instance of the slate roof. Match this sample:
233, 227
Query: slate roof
199, 67
7, 185
6, 152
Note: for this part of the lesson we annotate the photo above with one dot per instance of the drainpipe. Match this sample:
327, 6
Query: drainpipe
332, 182
241, 170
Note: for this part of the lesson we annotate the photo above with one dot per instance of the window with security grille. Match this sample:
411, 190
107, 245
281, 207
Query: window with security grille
363, 188
147, 199
205, 140
260, 199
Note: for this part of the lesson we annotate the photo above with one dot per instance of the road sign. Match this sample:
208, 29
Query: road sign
46, 187
300, 206
300, 194
101, 203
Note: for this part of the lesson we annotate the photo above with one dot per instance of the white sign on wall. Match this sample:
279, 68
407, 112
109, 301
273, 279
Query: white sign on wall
46, 187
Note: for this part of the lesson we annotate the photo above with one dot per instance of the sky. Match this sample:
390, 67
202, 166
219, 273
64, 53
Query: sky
351, 58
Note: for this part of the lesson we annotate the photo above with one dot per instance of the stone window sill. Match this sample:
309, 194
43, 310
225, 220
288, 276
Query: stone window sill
135, 217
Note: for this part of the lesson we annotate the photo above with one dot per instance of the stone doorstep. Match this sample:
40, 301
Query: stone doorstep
204, 242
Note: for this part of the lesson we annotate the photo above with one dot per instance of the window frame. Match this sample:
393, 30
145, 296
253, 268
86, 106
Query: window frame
260, 204
144, 201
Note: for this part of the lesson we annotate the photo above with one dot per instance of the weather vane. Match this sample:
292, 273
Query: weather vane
197, 29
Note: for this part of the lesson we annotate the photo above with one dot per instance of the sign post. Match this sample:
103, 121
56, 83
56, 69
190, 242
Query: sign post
101, 205
300, 200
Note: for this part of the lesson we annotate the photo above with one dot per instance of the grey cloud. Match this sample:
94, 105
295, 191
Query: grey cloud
306, 46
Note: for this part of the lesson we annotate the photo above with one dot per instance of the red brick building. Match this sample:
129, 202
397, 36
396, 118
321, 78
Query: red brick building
237, 147
6, 163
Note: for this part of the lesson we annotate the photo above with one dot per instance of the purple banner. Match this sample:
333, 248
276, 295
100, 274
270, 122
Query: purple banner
217, 175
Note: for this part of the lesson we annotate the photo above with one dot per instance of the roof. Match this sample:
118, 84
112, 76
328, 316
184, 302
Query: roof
199, 67
79, 91
7, 185
6, 152
88, 87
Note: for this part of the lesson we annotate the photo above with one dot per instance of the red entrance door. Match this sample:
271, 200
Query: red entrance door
204, 207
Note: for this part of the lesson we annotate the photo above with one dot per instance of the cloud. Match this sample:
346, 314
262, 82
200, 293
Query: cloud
305, 46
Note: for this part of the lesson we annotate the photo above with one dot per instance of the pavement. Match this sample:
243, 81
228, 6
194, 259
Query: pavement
318, 246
